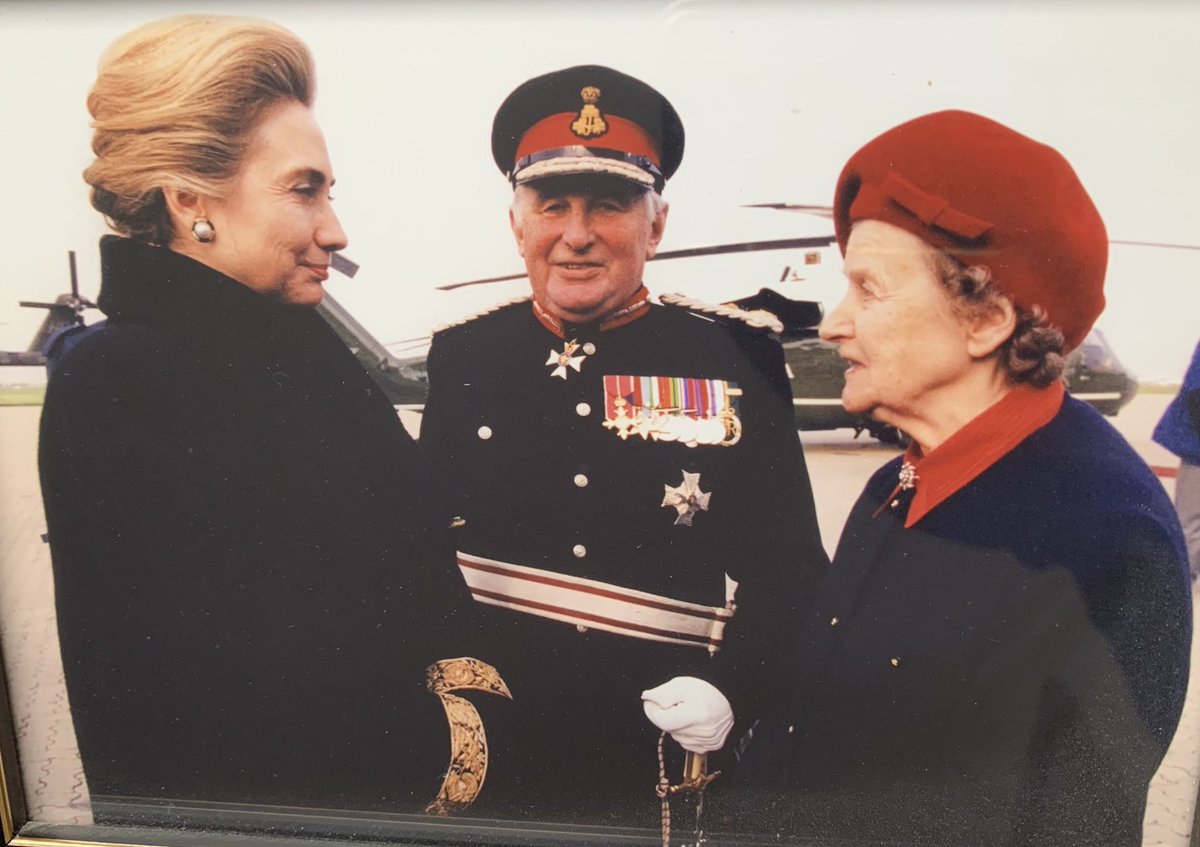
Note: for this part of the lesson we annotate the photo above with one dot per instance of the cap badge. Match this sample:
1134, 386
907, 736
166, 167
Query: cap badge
589, 122
566, 359
686, 498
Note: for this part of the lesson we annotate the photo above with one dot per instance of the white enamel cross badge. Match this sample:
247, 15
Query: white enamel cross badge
566, 359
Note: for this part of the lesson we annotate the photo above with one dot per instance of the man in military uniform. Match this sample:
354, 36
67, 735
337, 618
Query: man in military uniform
632, 503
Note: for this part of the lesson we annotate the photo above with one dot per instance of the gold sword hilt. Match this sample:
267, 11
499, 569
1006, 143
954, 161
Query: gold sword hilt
695, 774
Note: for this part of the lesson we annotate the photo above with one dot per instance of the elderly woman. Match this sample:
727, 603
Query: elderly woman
249, 576
1000, 653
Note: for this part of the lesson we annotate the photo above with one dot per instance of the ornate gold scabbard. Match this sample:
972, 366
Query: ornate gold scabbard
468, 742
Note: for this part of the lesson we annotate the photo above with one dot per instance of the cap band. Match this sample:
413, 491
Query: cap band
577, 159
555, 132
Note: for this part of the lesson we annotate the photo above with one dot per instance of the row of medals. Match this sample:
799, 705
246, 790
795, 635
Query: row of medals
675, 425
651, 423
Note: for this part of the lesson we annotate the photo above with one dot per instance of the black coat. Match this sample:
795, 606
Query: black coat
515, 443
1008, 671
250, 578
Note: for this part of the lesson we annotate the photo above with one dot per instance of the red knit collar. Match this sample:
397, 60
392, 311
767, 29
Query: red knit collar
966, 454
629, 311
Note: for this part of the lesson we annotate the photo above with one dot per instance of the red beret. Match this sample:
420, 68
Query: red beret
986, 195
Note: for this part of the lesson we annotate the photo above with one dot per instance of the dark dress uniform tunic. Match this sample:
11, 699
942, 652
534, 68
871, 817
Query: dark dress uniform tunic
250, 578
1009, 670
539, 481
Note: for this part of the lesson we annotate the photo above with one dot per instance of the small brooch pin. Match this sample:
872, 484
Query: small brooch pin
908, 481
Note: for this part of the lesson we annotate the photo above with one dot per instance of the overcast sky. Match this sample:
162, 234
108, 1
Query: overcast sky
774, 98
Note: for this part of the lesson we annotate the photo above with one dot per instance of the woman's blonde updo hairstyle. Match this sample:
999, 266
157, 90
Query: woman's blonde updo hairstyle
174, 105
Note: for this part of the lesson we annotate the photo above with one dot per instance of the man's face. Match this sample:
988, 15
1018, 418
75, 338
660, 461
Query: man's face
585, 241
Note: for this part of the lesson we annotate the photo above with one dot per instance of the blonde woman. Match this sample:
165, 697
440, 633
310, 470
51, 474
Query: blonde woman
248, 577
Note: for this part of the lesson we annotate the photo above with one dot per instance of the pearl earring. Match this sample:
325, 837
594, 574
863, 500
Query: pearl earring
203, 231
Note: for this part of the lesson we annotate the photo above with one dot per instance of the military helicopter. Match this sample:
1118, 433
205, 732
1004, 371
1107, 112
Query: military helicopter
1093, 374
816, 371
66, 311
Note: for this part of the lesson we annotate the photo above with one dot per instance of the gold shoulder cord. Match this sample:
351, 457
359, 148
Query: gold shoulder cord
695, 779
468, 742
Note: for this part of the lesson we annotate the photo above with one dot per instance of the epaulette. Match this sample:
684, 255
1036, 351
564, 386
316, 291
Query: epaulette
489, 310
758, 318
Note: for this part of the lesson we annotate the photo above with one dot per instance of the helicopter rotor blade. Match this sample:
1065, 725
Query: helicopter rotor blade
820, 211
453, 285
827, 212
74, 274
1159, 244
748, 247
343, 265
687, 253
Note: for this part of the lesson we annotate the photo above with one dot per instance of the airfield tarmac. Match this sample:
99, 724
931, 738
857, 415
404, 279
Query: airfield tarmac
55, 789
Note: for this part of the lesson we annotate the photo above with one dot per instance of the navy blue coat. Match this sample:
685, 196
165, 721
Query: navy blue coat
1179, 428
1008, 671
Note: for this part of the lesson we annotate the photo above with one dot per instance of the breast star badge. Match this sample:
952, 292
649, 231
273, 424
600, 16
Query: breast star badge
565, 359
686, 499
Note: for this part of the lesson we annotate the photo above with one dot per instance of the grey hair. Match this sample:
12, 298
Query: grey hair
1033, 354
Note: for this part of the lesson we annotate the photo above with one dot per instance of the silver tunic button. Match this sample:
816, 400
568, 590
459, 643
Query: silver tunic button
833, 621
581, 481
579, 550
580, 627
485, 432
791, 730
583, 410
589, 348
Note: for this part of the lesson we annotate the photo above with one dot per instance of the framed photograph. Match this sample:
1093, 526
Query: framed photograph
774, 98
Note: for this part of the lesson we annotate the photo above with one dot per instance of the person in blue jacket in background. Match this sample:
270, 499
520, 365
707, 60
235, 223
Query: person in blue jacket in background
1179, 432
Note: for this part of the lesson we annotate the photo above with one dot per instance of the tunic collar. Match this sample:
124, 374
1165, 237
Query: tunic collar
630, 310
966, 454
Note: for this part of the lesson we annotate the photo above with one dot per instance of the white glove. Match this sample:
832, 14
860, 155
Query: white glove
695, 712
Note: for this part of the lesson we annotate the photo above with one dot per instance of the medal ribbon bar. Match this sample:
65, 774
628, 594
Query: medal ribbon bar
690, 410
